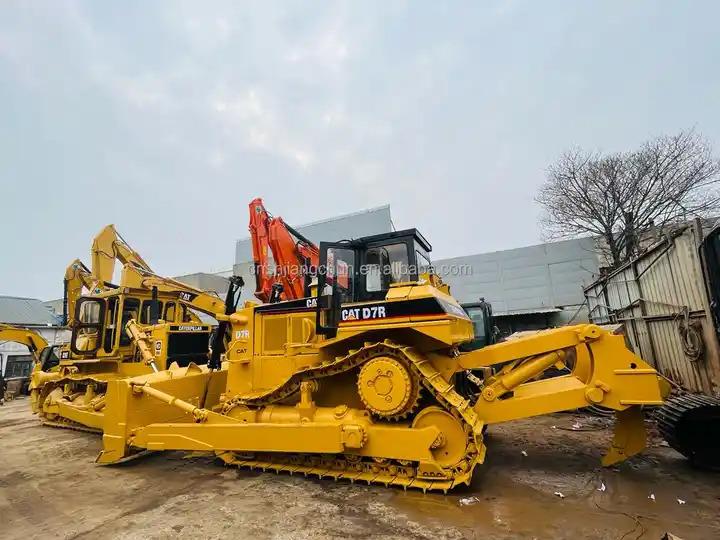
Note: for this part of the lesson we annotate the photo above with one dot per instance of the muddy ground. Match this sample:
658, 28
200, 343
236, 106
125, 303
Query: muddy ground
49, 487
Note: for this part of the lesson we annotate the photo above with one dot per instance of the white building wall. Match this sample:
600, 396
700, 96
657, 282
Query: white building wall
522, 280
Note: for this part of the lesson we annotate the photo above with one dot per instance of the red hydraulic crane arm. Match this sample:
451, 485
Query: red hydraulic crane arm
259, 235
294, 256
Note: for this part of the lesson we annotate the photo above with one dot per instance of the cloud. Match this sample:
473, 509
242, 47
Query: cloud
168, 117
251, 120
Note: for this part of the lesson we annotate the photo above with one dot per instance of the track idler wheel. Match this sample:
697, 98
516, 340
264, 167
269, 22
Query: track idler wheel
451, 444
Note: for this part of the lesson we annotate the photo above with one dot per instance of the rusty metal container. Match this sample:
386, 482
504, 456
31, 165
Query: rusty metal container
657, 294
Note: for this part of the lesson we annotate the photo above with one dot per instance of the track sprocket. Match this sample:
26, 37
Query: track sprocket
388, 388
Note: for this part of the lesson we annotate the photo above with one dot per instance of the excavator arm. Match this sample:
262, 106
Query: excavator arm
107, 248
32, 340
77, 277
294, 255
197, 299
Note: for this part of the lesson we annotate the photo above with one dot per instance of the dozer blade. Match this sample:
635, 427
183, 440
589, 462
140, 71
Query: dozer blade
629, 438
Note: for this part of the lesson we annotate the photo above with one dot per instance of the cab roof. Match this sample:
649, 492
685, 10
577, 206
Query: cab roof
414, 233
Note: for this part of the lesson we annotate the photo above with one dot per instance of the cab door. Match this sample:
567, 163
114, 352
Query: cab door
337, 282
87, 333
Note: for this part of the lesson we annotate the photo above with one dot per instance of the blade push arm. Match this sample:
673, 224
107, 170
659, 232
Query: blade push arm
602, 371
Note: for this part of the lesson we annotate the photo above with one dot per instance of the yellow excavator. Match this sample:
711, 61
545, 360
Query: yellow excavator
108, 249
114, 329
36, 344
364, 380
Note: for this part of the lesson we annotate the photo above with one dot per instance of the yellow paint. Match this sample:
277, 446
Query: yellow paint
288, 399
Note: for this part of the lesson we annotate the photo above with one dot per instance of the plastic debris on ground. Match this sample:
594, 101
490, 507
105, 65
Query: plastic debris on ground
467, 501
524, 453
558, 494
602, 486
651, 496
680, 501
577, 425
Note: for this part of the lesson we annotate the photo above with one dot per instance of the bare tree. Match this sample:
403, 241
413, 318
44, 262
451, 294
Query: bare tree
619, 197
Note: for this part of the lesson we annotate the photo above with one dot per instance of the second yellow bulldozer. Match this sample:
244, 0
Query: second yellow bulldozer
145, 323
364, 380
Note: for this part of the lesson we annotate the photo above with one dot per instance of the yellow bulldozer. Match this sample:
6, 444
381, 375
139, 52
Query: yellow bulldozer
364, 379
145, 323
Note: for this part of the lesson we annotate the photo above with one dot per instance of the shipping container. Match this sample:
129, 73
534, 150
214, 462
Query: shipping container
667, 300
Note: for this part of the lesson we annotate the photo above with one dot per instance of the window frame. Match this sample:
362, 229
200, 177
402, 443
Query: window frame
79, 325
412, 275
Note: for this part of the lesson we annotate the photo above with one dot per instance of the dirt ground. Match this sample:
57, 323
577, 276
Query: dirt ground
49, 487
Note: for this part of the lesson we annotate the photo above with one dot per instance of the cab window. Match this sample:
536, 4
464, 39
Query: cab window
385, 265
423, 263
340, 270
90, 313
86, 336
130, 310
169, 314
477, 316
18, 366
110, 328
145, 315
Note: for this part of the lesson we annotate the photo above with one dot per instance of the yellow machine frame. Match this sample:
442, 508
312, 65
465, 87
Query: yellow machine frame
378, 399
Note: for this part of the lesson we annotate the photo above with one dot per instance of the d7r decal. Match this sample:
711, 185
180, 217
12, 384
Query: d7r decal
363, 313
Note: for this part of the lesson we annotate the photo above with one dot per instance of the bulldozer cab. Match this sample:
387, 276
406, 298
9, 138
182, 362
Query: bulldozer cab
100, 321
484, 329
364, 270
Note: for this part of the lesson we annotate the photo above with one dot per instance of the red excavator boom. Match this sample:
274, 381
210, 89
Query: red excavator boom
295, 257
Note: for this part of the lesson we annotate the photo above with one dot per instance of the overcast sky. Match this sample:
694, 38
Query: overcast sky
167, 118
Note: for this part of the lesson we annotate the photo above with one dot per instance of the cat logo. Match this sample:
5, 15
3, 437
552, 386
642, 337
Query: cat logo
363, 314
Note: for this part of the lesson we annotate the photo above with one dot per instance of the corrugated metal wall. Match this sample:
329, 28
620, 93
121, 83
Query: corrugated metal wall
525, 279
651, 295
